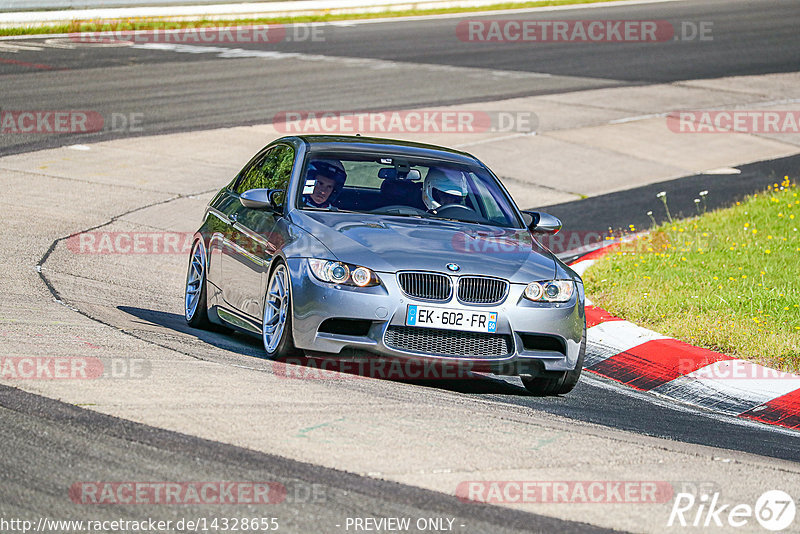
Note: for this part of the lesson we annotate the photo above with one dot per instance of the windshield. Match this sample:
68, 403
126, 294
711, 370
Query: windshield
390, 185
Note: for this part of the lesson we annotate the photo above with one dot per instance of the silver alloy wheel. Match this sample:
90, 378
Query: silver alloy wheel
195, 279
276, 306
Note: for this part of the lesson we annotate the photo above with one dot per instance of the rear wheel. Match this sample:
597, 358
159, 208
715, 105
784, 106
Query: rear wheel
557, 383
276, 326
194, 308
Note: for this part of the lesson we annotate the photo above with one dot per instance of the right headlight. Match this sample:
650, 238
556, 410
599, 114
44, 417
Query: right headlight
550, 291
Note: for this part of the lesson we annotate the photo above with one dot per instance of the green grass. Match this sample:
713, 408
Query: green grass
727, 280
154, 23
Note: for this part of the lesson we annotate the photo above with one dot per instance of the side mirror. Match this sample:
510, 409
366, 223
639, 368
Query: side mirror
541, 223
260, 199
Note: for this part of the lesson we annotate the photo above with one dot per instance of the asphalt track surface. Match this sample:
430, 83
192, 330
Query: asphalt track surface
107, 448
378, 66
180, 91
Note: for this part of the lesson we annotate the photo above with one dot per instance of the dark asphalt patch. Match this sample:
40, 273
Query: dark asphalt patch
48, 446
623, 208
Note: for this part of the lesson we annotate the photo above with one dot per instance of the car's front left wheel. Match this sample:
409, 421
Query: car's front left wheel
276, 326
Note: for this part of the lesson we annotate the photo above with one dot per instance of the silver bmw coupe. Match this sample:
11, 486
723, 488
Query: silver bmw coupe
335, 246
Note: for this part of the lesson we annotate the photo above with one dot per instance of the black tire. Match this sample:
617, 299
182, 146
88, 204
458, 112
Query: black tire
557, 383
198, 317
285, 347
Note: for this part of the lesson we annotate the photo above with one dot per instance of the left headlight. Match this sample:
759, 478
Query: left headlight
550, 291
337, 272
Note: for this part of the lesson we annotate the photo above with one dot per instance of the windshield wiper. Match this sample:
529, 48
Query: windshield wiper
329, 210
388, 214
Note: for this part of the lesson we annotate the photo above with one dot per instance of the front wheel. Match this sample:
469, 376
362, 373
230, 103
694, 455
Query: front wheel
194, 309
276, 326
559, 383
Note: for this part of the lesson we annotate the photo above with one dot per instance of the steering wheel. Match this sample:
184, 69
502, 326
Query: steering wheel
455, 208
460, 211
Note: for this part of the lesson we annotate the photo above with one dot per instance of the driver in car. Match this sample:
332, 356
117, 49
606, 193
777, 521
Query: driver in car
444, 187
329, 177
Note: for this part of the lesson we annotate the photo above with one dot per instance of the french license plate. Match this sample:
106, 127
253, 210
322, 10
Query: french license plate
451, 319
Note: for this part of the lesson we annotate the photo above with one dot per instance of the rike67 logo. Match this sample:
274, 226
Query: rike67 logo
774, 510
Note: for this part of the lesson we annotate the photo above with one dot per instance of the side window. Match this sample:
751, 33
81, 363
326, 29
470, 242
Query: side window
272, 171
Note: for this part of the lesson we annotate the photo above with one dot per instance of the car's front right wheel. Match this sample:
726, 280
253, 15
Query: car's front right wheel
194, 308
557, 383
276, 326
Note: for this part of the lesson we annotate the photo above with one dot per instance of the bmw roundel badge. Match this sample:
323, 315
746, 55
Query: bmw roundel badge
454, 267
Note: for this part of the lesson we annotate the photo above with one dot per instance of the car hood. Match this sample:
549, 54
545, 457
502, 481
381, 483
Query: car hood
391, 243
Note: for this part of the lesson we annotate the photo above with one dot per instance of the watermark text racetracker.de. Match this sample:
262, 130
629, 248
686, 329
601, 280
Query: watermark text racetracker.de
193, 492
378, 368
565, 241
149, 524
735, 121
101, 242
72, 368
146, 243
404, 121
170, 32
38, 121
582, 31
565, 491
732, 369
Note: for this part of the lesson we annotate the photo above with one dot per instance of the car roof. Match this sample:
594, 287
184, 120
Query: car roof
359, 144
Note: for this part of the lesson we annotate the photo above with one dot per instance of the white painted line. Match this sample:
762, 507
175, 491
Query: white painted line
14, 47
500, 138
288, 8
496, 12
780, 102
622, 335
722, 170
637, 118
581, 266
606, 340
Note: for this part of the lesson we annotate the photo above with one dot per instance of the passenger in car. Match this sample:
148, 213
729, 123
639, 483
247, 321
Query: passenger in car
329, 177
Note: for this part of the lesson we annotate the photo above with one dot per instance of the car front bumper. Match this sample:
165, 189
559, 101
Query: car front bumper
385, 307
